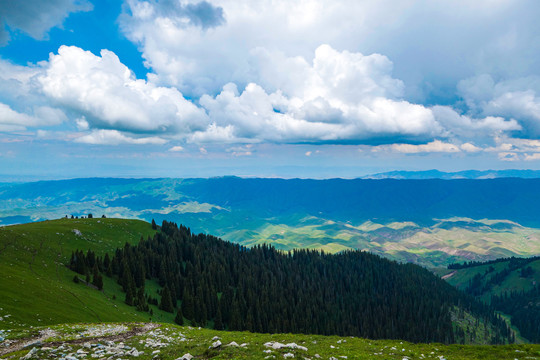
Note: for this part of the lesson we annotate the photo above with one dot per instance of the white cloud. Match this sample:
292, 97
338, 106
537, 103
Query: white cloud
340, 97
517, 99
508, 156
176, 148
470, 148
434, 146
109, 96
11, 120
82, 124
464, 125
114, 137
532, 157
36, 17
237, 151
420, 36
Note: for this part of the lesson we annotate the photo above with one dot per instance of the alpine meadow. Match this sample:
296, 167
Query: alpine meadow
315, 179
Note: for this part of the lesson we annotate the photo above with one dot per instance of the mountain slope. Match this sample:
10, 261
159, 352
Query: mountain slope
37, 288
510, 285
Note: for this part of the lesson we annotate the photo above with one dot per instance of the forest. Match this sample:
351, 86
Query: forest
209, 282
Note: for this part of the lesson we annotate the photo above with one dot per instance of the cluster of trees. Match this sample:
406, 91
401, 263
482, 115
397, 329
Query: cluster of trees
524, 308
90, 216
215, 283
89, 265
513, 263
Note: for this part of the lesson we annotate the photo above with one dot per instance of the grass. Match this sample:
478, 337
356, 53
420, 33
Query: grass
36, 287
37, 292
172, 342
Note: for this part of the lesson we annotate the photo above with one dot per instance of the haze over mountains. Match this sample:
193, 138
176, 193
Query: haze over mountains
427, 221
465, 174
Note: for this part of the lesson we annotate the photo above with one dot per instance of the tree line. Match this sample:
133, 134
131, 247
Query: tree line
214, 283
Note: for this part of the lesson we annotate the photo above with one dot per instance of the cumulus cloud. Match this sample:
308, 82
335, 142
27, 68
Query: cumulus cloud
338, 97
430, 52
114, 137
516, 99
465, 125
108, 95
11, 120
434, 146
36, 17
176, 148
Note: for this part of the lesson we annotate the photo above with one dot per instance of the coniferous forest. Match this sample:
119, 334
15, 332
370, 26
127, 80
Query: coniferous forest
524, 307
216, 283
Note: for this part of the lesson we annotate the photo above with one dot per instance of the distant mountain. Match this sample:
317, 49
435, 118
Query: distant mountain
431, 222
466, 174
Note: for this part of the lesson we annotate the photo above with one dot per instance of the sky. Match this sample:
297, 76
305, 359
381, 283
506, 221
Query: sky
272, 88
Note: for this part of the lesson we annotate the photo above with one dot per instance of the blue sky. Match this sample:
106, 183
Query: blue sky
311, 88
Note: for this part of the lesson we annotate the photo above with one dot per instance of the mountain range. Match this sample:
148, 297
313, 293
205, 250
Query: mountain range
432, 222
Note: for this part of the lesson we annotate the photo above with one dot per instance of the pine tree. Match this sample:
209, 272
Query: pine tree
218, 322
179, 319
166, 302
142, 305
129, 297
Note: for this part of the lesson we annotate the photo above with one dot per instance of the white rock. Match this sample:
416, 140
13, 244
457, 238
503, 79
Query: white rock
30, 353
232, 343
215, 345
288, 355
215, 338
187, 356
295, 346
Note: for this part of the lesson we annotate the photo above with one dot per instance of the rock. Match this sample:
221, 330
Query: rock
295, 346
288, 355
232, 343
187, 356
317, 356
33, 344
30, 354
277, 345
215, 338
215, 345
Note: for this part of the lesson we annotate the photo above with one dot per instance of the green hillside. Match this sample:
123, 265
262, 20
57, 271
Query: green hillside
494, 278
511, 286
36, 287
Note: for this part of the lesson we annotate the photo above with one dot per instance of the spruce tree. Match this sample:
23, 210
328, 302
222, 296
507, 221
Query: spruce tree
129, 297
166, 302
179, 319
218, 322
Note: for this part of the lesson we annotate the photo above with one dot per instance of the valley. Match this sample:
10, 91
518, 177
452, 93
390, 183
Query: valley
430, 222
